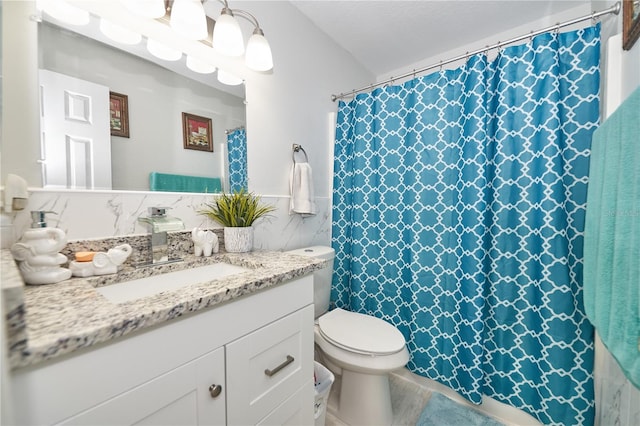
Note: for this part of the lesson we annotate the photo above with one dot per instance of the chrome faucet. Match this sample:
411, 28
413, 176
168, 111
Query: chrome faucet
159, 224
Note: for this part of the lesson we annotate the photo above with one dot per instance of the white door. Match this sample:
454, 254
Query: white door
76, 138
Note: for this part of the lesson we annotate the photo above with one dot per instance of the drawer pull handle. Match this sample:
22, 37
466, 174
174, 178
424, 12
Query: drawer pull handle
215, 390
270, 373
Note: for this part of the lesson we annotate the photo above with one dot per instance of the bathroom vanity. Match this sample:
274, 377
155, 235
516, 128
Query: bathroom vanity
236, 350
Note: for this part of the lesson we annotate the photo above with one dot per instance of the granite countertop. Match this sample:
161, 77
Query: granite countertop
47, 321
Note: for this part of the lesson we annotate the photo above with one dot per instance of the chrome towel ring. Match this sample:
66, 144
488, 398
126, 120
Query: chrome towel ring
298, 148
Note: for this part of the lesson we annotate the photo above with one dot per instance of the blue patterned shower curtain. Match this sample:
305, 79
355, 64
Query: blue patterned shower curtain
237, 150
458, 215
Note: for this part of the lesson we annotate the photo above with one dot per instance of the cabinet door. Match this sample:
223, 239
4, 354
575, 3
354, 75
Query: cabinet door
179, 397
270, 365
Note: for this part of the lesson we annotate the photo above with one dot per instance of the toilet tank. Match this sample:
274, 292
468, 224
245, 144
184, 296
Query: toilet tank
321, 277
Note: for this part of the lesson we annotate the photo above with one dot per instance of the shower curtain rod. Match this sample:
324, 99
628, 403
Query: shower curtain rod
615, 9
227, 131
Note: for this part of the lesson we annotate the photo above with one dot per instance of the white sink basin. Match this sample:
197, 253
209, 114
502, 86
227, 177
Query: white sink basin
144, 287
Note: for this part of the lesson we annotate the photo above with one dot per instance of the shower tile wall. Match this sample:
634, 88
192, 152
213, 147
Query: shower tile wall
619, 400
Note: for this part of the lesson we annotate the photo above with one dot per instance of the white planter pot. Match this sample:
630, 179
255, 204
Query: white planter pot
238, 240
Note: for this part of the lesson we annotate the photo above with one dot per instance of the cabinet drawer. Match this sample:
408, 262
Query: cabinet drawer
268, 366
297, 410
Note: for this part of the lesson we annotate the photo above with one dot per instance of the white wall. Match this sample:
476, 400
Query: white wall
582, 8
294, 105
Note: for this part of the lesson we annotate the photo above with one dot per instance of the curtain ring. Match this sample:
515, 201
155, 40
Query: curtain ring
414, 73
593, 18
531, 36
557, 29
441, 65
499, 45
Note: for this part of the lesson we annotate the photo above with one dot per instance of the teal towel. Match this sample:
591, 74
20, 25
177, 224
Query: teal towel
612, 236
181, 183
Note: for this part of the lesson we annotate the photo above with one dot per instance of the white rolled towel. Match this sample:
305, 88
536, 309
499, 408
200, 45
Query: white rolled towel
301, 189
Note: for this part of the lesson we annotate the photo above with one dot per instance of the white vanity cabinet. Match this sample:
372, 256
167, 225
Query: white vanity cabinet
248, 361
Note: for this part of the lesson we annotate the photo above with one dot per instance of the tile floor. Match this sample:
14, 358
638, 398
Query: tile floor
407, 400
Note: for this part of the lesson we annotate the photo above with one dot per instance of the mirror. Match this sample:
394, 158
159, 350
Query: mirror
157, 97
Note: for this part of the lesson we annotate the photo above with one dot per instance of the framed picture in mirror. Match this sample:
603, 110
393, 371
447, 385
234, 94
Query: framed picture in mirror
119, 114
196, 132
630, 23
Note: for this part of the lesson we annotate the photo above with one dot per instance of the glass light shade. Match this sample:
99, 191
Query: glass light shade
188, 19
118, 33
163, 51
258, 56
199, 66
229, 79
148, 8
227, 36
65, 12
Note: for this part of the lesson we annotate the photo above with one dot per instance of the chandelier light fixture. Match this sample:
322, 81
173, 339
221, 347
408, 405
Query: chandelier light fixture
189, 22
199, 66
227, 35
64, 11
162, 51
152, 9
188, 19
258, 55
227, 78
118, 33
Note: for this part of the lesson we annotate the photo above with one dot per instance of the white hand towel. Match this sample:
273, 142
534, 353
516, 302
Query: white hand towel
301, 189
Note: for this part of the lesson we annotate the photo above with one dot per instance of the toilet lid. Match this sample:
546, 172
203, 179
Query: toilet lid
360, 333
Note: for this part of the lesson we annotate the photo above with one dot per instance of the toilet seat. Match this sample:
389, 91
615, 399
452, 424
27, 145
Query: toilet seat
359, 333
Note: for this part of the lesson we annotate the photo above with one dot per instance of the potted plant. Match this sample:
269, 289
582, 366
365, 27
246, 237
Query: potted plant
237, 212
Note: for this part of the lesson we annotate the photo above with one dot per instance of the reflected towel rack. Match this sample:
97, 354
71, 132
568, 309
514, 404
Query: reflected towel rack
298, 148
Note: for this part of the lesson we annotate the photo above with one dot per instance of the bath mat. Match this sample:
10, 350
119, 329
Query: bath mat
442, 411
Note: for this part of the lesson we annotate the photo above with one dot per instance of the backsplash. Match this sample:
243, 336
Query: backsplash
179, 243
94, 215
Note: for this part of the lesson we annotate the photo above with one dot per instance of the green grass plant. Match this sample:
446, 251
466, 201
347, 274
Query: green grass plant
237, 209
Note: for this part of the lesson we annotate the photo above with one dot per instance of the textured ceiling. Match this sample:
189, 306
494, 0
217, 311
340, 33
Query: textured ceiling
388, 35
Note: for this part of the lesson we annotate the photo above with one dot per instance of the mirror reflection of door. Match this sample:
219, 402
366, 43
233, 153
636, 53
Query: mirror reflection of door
75, 134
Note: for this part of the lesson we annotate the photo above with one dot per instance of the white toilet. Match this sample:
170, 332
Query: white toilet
361, 348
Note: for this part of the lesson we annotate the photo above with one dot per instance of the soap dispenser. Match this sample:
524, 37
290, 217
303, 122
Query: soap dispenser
37, 252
